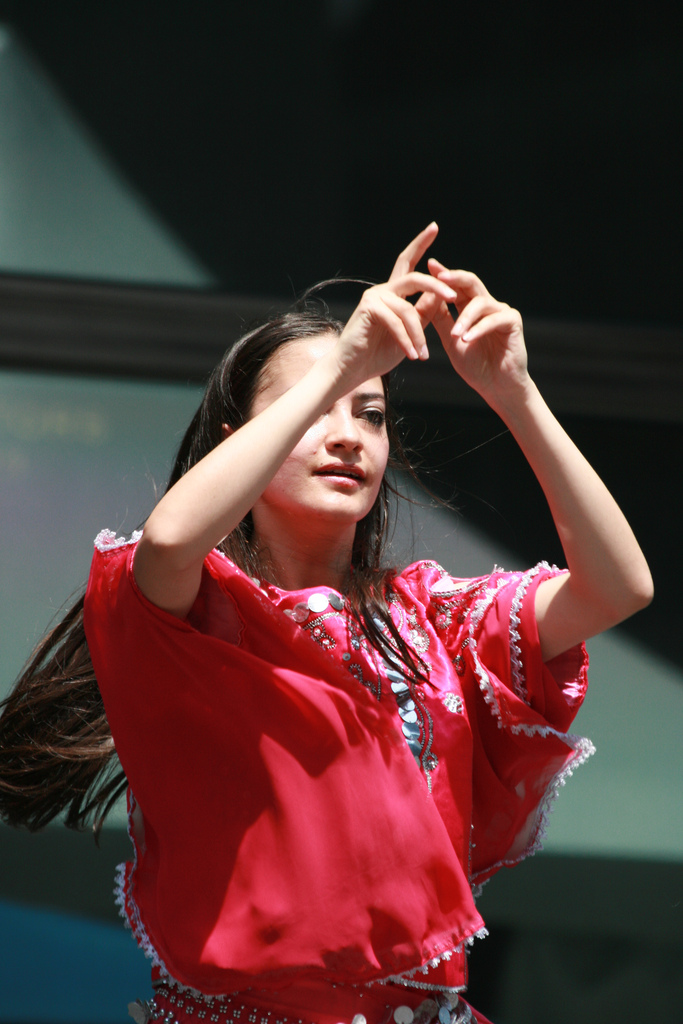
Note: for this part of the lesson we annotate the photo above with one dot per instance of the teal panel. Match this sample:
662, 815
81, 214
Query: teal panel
76, 455
58, 968
65, 209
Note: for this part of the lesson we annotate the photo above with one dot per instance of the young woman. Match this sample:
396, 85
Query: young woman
324, 756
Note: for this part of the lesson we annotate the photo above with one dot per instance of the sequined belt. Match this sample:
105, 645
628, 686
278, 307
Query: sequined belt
171, 1005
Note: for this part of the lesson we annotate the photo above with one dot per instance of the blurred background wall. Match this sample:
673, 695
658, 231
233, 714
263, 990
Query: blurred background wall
169, 172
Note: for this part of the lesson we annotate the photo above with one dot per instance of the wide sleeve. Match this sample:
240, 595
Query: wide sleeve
519, 708
506, 655
281, 825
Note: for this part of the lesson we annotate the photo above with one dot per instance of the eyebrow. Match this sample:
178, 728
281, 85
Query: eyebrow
370, 396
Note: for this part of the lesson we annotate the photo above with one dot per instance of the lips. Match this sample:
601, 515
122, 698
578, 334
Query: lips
340, 469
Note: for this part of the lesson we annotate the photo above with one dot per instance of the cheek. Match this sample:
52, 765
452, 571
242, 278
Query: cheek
292, 473
305, 452
378, 449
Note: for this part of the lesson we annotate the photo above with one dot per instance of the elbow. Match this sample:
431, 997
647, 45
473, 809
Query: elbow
643, 591
636, 594
622, 599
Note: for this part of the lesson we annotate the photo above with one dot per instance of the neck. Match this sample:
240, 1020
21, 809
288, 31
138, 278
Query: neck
318, 556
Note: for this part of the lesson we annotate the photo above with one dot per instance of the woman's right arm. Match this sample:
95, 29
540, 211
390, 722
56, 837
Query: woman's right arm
211, 499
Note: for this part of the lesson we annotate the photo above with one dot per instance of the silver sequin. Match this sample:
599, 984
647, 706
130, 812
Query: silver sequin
300, 612
408, 716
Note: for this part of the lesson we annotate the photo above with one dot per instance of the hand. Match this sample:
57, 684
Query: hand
385, 328
485, 343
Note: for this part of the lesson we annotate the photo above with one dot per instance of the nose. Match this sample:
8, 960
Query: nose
342, 430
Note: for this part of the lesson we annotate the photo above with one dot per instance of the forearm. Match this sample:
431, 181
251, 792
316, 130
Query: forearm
609, 577
211, 499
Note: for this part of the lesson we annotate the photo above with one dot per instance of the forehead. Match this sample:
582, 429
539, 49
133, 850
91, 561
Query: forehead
294, 359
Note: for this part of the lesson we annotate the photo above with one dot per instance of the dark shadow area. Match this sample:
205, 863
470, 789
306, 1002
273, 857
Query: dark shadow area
284, 144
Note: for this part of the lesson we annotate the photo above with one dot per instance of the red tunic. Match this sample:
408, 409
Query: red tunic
284, 830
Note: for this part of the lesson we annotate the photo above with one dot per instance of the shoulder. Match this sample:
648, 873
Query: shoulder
120, 549
112, 573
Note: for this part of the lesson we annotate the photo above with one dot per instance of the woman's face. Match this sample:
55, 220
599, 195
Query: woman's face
335, 471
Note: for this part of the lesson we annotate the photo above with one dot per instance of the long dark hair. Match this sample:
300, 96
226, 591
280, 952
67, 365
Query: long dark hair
56, 749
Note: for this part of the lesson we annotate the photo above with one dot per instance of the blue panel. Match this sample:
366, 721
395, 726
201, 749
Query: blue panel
60, 969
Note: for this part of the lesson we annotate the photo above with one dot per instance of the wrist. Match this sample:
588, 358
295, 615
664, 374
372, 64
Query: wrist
329, 378
515, 401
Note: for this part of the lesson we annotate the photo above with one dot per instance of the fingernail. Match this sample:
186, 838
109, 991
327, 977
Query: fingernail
457, 329
449, 293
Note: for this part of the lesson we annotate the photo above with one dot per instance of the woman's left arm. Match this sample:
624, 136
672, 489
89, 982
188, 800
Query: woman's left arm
608, 577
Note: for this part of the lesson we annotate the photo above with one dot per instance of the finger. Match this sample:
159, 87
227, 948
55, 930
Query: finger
408, 284
480, 306
443, 319
376, 315
427, 307
497, 321
443, 323
432, 309
442, 273
414, 251
435, 267
395, 325
463, 281
410, 319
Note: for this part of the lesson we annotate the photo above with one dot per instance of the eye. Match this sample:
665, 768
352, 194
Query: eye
375, 417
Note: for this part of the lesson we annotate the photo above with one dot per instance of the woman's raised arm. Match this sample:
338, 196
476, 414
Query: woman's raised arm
608, 576
211, 499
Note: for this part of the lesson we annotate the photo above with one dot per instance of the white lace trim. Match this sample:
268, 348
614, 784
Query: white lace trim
398, 980
583, 749
106, 540
518, 680
581, 746
517, 670
172, 982
406, 978
128, 908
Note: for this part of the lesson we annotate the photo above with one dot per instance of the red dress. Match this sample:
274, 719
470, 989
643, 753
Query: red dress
305, 818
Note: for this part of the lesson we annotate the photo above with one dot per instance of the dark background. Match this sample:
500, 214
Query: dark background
285, 142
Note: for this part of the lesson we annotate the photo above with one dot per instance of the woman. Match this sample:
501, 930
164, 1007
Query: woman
309, 817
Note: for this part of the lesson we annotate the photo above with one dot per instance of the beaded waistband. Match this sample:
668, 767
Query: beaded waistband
172, 1005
